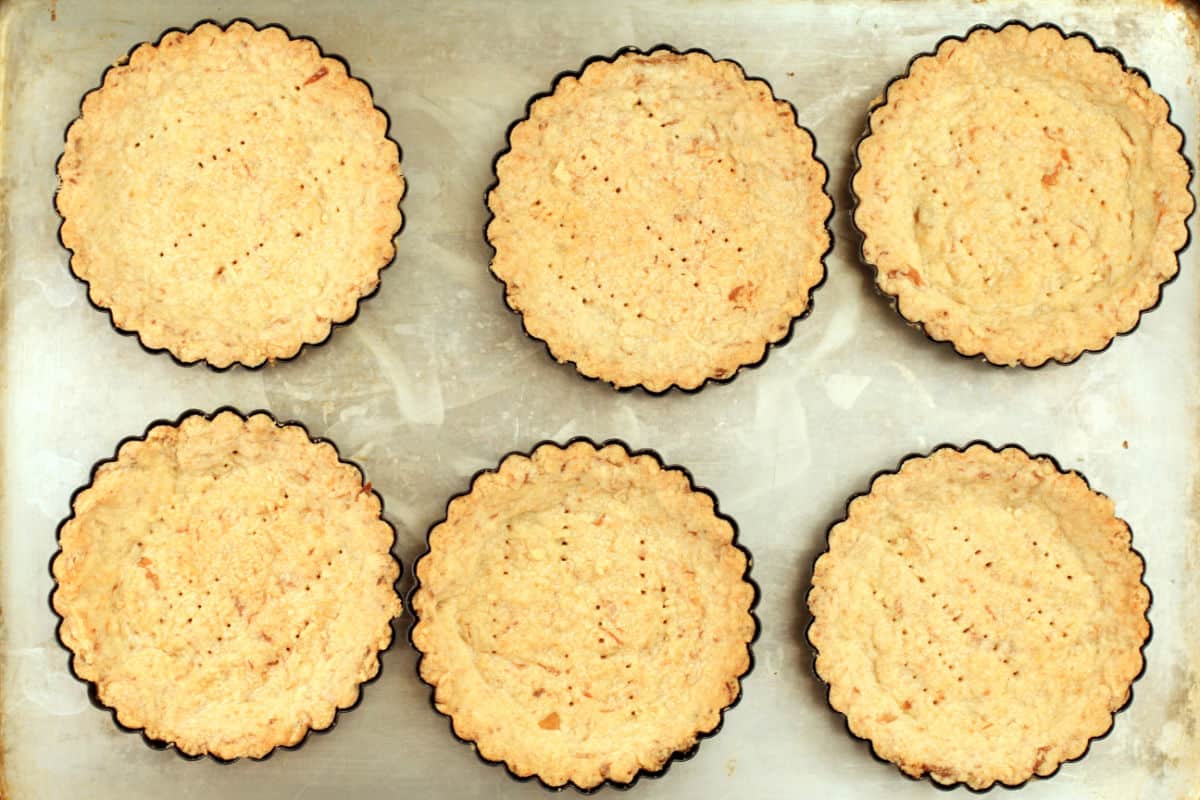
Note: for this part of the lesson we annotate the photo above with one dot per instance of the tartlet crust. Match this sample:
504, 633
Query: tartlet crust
229, 194
226, 585
1022, 195
659, 220
979, 616
583, 615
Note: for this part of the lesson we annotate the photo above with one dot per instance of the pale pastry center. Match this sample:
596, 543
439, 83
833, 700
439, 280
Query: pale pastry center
1025, 200
589, 605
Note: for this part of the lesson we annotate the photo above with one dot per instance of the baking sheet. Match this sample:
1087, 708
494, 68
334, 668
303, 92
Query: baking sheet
435, 380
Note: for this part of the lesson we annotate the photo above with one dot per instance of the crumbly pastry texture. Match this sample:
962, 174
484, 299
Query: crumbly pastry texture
229, 194
1022, 195
583, 614
659, 220
227, 585
979, 616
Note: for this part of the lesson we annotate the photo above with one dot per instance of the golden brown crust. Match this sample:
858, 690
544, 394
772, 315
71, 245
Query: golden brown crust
979, 616
583, 614
226, 584
659, 220
229, 194
1022, 195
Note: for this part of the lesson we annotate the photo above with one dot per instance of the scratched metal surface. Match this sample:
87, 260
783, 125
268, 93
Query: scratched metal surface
435, 381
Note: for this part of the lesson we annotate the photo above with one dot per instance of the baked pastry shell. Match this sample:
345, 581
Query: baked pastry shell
576, 73
894, 300
92, 689
949, 787
333, 326
682, 755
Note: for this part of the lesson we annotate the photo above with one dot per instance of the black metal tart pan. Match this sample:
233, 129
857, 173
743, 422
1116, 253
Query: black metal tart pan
869, 744
674, 758
894, 300
333, 326
576, 73
92, 691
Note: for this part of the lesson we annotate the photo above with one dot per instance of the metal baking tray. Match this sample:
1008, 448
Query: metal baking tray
435, 381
